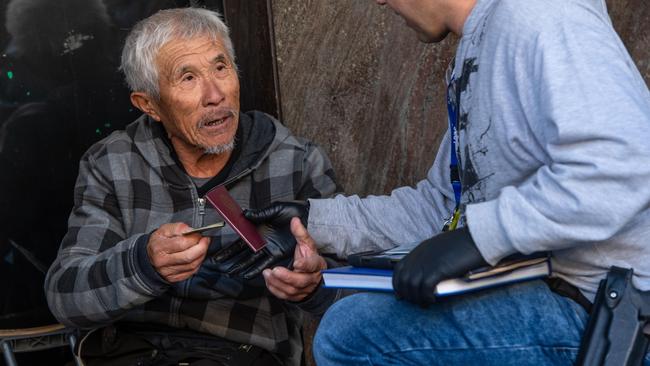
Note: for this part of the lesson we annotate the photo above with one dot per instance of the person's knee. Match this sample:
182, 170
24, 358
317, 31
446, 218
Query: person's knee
341, 329
335, 322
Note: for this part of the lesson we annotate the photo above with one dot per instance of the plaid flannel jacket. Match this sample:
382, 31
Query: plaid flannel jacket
129, 184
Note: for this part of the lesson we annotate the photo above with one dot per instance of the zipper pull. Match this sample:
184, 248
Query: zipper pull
201, 206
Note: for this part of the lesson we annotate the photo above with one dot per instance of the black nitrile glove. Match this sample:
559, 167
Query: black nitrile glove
239, 259
280, 242
280, 213
447, 255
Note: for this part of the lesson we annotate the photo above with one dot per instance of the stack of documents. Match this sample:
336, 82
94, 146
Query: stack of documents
506, 272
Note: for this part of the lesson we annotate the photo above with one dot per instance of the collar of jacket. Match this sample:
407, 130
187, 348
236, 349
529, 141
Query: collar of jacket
257, 135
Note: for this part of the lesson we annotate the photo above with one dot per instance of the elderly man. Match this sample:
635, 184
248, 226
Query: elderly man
547, 150
125, 262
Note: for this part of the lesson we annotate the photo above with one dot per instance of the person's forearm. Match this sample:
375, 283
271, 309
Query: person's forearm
345, 225
88, 289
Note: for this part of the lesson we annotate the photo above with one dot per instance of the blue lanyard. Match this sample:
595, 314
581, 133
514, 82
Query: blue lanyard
454, 171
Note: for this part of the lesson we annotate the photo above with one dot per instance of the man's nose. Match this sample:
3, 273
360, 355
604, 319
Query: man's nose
212, 92
380, 2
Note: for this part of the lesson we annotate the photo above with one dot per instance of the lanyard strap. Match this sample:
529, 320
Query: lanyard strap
454, 170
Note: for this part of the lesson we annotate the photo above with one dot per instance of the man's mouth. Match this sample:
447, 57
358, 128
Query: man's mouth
215, 122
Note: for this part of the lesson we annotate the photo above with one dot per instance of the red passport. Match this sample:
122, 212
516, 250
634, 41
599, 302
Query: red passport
234, 216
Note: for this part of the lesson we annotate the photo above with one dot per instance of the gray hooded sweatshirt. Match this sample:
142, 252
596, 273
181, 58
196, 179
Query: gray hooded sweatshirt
553, 144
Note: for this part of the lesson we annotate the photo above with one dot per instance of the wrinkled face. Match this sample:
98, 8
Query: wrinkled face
199, 95
423, 16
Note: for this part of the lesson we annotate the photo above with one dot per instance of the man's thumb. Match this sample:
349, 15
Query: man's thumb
306, 244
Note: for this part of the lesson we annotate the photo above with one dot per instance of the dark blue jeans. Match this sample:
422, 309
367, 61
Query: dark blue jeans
523, 324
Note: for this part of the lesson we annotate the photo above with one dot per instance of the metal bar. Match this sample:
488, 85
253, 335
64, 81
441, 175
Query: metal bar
8, 354
72, 341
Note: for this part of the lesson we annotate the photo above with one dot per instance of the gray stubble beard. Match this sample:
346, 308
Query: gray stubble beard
220, 149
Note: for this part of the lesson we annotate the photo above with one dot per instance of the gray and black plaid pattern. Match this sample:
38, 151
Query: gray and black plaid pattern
129, 184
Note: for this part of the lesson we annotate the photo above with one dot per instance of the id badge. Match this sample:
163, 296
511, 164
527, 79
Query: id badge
452, 222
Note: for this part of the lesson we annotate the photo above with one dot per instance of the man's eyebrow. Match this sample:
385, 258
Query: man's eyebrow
181, 70
219, 58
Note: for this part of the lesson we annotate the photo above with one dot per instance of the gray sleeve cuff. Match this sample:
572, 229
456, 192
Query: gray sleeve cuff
486, 229
144, 267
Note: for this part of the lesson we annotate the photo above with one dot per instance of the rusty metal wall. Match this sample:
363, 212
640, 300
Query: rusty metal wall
631, 19
356, 80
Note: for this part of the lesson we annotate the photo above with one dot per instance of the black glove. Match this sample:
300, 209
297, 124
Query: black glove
450, 254
280, 213
240, 260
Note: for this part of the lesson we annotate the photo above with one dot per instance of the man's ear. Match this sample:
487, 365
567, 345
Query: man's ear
146, 104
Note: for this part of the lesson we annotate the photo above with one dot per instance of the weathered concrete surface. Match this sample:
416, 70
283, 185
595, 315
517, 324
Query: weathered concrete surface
631, 19
356, 80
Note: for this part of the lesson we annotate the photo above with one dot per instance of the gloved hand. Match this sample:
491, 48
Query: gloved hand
280, 242
239, 259
447, 255
280, 213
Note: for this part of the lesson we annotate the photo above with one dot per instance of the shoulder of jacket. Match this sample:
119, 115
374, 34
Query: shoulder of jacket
118, 143
284, 137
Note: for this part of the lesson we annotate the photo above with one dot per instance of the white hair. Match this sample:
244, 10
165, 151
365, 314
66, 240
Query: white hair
149, 35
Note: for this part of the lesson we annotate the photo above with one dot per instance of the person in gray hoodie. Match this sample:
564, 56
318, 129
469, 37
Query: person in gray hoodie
547, 151
148, 293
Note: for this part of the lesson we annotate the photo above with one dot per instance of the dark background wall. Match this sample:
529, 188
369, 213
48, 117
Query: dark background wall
355, 79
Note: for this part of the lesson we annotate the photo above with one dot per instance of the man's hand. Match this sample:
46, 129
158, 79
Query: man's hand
175, 256
447, 255
307, 263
